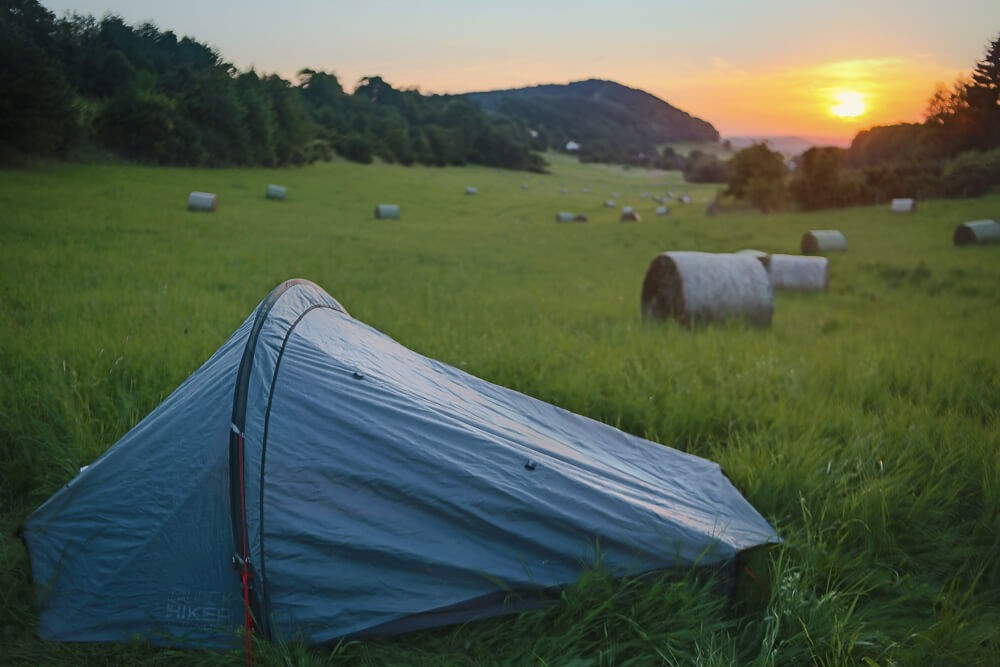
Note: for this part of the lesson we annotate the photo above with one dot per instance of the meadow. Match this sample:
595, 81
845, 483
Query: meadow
864, 423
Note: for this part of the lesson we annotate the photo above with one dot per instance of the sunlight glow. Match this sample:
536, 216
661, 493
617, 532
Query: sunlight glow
850, 104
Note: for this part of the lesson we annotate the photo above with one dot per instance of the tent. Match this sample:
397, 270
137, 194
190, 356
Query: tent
358, 489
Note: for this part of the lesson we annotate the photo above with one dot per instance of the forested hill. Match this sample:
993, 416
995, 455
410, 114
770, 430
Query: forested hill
595, 113
72, 85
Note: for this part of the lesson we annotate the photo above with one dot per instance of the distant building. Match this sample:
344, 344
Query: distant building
572, 146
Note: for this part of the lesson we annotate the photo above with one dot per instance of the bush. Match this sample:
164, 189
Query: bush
972, 174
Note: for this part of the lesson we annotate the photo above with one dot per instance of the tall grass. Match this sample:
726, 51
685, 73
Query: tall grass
864, 423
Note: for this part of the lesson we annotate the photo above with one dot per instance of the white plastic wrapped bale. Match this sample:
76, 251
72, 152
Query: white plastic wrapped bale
629, 215
798, 273
471, 190
701, 287
903, 205
610, 204
203, 201
977, 232
275, 192
662, 210
819, 241
760, 255
390, 211
565, 216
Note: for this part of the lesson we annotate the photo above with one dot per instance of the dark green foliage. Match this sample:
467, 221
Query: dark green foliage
757, 175
151, 97
823, 180
972, 174
705, 168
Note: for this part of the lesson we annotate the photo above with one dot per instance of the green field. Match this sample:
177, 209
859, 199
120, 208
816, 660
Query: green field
864, 424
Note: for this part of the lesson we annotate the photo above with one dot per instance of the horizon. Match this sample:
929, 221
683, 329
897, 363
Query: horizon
755, 74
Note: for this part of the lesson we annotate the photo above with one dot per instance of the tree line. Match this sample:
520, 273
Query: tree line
72, 84
955, 152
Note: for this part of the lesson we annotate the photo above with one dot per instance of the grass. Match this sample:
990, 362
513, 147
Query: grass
865, 424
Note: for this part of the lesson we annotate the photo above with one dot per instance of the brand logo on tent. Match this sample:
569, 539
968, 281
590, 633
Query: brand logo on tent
197, 607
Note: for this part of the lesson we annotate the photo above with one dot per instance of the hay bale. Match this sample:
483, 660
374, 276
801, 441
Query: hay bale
759, 255
818, 241
471, 190
579, 217
701, 287
586, 191
390, 211
662, 210
610, 204
276, 192
643, 195
524, 186
795, 272
685, 199
977, 232
903, 205
565, 216
203, 201
629, 215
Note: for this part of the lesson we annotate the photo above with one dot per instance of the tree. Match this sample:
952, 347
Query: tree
822, 180
757, 175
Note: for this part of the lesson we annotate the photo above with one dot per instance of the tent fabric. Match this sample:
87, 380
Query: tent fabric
384, 492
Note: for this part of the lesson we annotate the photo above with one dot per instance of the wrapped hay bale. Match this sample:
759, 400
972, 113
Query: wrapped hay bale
203, 201
471, 190
629, 215
817, 241
795, 272
586, 190
685, 199
610, 204
977, 232
565, 216
759, 255
903, 205
275, 192
662, 210
701, 287
390, 211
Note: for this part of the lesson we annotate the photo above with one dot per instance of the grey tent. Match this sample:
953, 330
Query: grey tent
363, 490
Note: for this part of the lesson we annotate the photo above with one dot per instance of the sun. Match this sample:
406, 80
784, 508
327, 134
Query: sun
850, 104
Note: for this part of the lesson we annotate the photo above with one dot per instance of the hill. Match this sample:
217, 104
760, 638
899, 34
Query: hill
595, 114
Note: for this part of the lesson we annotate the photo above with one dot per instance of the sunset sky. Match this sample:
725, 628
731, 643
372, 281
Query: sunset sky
771, 67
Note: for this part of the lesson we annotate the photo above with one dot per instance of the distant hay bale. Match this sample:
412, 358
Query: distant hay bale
471, 190
643, 195
818, 241
389, 211
564, 216
903, 205
685, 199
662, 210
610, 204
629, 215
701, 287
524, 186
203, 201
563, 191
977, 232
795, 272
586, 191
579, 217
275, 192
759, 255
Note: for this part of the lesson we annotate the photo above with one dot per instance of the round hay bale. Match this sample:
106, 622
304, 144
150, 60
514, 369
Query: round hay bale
565, 216
903, 205
471, 190
818, 241
629, 215
276, 192
759, 255
610, 204
579, 217
685, 199
390, 211
701, 287
203, 201
798, 273
977, 232
563, 191
662, 210
524, 186
586, 191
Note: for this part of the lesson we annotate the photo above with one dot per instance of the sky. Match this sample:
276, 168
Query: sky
757, 68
